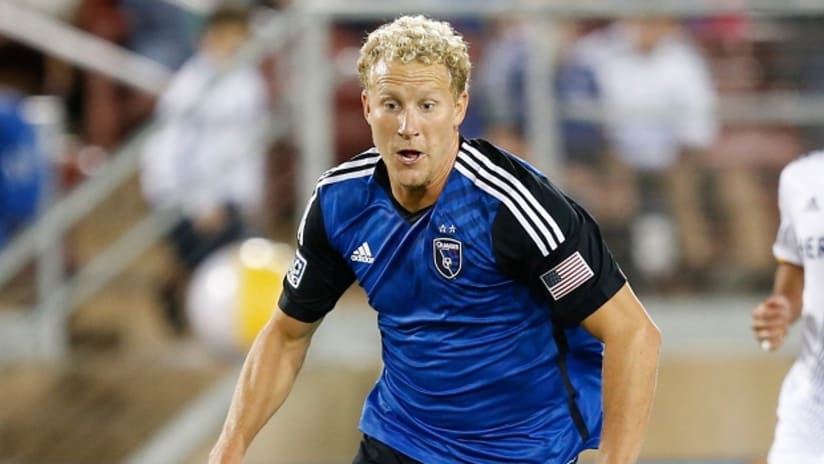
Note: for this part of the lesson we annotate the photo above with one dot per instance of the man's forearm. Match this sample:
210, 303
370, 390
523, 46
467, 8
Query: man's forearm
267, 376
630, 373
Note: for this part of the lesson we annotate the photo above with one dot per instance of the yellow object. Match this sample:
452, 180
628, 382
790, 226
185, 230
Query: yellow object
262, 267
234, 292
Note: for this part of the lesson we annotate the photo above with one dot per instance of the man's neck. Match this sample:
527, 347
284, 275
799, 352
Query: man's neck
416, 199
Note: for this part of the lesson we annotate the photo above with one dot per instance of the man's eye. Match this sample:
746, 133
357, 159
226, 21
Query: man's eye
390, 105
428, 106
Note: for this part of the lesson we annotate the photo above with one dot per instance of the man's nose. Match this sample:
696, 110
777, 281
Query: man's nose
408, 125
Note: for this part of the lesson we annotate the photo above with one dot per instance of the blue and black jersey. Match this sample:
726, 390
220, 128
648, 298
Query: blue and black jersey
479, 300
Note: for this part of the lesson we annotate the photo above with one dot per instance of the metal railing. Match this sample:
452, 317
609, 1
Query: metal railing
41, 334
87, 51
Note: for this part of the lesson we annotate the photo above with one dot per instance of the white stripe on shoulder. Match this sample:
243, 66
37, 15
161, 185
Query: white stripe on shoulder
362, 167
349, 170
302, 223
519, 186
506, 200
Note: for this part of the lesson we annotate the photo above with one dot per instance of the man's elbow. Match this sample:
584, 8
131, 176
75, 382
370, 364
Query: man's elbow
648, 336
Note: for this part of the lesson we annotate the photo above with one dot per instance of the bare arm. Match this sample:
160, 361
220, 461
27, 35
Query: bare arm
268, 374
772, 318
632, 345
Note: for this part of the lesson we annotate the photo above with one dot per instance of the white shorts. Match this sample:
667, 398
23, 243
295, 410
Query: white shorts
800, 427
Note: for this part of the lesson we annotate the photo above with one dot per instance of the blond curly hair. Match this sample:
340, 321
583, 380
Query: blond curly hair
417, 38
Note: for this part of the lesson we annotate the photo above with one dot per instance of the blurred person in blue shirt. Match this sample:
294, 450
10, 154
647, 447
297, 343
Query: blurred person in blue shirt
21, 168
159, 30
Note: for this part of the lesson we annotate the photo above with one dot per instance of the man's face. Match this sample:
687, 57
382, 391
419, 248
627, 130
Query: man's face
223, 41
648, 32
414, 118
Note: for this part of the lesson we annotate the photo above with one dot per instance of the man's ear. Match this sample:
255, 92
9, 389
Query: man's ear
460, 108
367, 108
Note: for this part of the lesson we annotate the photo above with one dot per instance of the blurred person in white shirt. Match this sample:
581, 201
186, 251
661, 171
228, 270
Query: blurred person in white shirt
659, 103
206, 157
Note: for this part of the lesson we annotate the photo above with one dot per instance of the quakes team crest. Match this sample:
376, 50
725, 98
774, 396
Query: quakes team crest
447, 253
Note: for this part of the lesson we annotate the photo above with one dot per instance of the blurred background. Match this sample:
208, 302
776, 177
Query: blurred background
155, 156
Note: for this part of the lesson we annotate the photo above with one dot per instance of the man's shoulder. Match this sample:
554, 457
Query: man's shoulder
484, 149
359, 167
509, 179
482, 157
807, 166
342, 191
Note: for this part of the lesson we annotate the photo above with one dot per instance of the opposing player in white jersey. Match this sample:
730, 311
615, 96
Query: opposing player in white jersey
798, 295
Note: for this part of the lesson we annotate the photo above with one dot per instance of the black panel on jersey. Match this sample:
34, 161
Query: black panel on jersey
325, 278
518, 256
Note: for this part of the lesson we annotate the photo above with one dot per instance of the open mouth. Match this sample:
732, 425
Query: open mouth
409, 156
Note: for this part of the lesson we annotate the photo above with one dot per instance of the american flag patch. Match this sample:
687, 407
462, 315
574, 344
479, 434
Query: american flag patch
567, 276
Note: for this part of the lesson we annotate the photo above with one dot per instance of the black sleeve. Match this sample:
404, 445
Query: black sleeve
318, 275
576, 273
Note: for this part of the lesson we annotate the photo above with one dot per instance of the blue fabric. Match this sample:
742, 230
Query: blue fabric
161, 31
470, 364
573, 81
482, 362
576, 82
21, 168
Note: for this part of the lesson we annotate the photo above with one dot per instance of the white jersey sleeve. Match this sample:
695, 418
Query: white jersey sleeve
786, 247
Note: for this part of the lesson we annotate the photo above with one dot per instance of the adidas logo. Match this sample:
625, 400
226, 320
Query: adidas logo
812, 205
363, 254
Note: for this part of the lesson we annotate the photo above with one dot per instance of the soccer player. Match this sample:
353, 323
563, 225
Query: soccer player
509, 334
798, 293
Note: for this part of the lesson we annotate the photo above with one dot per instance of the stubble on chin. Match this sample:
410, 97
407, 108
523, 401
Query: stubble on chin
413, 184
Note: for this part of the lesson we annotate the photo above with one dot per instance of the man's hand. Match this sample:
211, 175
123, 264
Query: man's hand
771, 321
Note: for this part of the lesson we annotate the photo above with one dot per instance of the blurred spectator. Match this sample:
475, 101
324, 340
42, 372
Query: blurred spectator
637, 170
163, 32
155, 29
21, 168
160, 31
659, 103
207, 156
22, 68
745, 160
499, 85
100, 96
351, 130
800, 59
500, 93
474, 31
